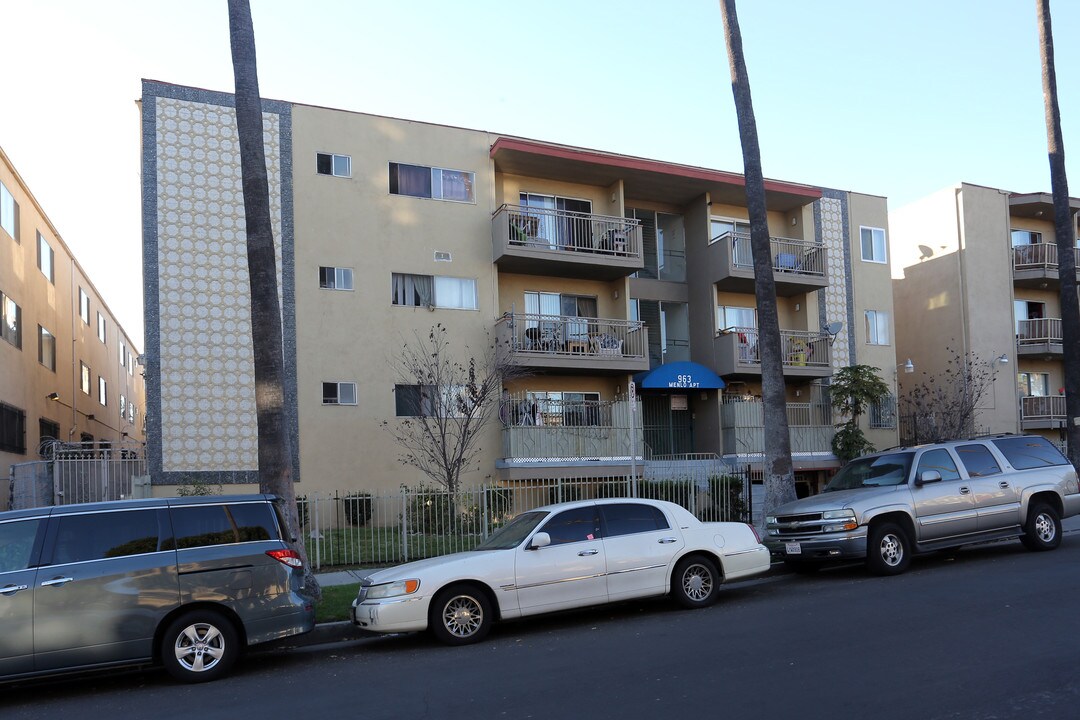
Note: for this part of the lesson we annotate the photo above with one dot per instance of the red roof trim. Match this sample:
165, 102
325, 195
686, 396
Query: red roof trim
633, 163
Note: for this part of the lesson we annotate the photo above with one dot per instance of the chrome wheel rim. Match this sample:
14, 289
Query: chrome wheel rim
697, 582
1044, 528
892, 550
199, 647
462, 616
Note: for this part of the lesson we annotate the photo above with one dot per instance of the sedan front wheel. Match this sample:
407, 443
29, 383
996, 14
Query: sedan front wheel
460, 614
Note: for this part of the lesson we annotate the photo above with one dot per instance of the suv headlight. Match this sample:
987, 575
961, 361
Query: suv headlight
838, 514
393, 589
846, 520
770, 519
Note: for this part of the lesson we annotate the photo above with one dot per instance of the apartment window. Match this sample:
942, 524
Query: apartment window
47, 430
730, 316
123, 407
432, 182
9, 213
101, 327
336, 165
883, 413
12, 429
560, 408
1033, 384
45, 258
873, 244
10, 321
131, 412
335, 278
84, 377
434, 291
1025, 237
84, 306
877, 327
102, 391
123, 353
339, 393
46, 353
428, 401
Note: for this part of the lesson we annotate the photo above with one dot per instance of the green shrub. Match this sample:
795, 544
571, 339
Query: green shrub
358, 508
727, 501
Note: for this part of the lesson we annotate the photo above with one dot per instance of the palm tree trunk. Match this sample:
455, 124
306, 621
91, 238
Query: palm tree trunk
275, 468
779, 478
1064, 233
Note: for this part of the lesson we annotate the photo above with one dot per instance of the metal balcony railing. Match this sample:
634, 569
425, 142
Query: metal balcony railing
576, 336
1039, 331
1038, 256
805, 257
1042, 407
545, 429
743, 426
798, 348
565, 231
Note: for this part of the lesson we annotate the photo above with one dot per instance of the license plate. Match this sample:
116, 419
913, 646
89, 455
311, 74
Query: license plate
793, 548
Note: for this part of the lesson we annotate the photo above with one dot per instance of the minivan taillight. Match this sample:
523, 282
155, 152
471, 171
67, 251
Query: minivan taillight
288, 557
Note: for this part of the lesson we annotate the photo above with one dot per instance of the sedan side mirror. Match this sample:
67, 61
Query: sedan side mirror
927, 476
540, 539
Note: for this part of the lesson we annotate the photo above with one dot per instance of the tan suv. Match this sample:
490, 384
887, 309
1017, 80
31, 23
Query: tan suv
887, 506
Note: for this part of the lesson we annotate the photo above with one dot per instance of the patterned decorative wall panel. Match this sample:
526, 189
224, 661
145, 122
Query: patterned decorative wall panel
830, 217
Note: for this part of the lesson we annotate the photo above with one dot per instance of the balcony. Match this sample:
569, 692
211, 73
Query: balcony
798, 265
570, 345
569, 433
1044, 412
1040, 337
536, 241
1035, 265
805, 354
743, 427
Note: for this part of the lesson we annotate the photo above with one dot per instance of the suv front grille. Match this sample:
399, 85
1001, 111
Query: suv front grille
804, 524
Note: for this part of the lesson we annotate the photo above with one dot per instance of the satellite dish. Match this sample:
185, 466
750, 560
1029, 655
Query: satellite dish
834, 328
926, 252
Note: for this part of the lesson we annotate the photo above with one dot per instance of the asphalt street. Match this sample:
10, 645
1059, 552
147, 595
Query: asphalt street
986, 632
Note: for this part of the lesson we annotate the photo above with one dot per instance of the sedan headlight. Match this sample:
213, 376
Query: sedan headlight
393, 589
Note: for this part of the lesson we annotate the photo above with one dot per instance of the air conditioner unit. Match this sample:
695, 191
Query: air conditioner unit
441, 256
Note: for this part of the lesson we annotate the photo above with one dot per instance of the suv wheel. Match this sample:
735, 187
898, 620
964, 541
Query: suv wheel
199, 646
1042, 531
888, 550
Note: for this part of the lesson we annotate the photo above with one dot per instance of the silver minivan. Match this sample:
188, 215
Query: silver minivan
184, 582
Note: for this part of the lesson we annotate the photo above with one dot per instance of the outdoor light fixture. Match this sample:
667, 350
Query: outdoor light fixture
1003, 359
52, 396
908, 367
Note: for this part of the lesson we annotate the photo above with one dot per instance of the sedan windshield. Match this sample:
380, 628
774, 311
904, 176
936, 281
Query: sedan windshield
510, 535
873, 472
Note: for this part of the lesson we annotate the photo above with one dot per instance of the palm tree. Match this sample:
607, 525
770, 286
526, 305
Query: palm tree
779, 478
1064, 232
275, 468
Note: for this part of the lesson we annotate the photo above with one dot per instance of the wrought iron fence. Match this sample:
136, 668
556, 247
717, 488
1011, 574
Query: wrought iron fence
76, 473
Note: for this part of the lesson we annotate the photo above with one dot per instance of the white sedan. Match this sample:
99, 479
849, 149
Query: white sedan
558, 557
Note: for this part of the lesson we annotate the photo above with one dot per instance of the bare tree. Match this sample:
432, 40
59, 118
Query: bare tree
445, 404
275, 467
779, 475
943, 406
1064, 233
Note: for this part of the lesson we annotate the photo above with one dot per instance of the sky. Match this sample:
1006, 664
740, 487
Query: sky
899, 99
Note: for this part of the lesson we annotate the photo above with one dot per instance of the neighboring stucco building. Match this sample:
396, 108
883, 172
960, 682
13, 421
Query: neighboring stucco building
67, 369
976, 272
597, 269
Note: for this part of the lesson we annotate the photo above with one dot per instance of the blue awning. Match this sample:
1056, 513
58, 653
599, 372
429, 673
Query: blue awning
679, 376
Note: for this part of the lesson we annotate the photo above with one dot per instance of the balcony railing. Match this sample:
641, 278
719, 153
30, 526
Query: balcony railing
799, 349
743, 426
1037, 256
1039, 331
565, 231
1042, 409
805, 257
569, 431
575, 337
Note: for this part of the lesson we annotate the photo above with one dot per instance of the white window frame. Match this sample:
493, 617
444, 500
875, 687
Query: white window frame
884, 259
334, 159
877, 324
435, 301
437, 182
1027, 385
342, 278
336, 400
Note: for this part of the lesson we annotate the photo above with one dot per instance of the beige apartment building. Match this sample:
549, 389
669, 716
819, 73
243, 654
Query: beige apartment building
623, 286
976, 271
68, 371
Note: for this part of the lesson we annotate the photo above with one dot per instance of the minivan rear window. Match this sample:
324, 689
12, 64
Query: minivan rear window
1024, 453
202, 525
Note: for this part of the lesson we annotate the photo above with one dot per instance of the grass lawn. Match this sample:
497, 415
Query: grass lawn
335, 603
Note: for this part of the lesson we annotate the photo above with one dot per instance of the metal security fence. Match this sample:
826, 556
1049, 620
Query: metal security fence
76, 473
351, 528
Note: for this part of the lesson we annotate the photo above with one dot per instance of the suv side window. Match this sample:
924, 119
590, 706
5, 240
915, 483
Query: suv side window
576, 525
938, 459
978, 460
101, 535
1029, 452
17, 544
631, 518
203, 525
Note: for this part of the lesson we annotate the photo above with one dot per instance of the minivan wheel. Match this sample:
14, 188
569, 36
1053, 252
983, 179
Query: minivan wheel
695, 582
199, 646
888, 550
460, 615
1042, 531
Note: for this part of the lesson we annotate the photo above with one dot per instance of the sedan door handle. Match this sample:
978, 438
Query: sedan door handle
57, 581
588, 552
965, 490
12, 589
1003, 484
664, 541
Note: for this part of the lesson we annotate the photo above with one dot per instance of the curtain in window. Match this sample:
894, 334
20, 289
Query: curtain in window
413, 290
414, 180
452, 185
457, 293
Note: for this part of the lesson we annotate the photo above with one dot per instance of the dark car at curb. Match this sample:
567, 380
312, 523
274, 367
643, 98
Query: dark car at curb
887, 506
186, 583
